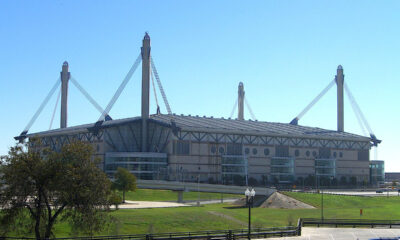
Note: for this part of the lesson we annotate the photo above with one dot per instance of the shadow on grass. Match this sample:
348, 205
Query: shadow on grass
235, 207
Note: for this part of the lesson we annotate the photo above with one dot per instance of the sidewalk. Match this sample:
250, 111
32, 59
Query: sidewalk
311, 233
148, 204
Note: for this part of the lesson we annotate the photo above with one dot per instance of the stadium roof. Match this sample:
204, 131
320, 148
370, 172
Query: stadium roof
223, 125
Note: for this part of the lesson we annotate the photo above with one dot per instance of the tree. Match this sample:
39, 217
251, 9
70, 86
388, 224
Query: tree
343, 180
334, 182
264, 180
239, 180
124, 181
275, 180
44, 184
300, 181
353, 180
253, 182
310, 180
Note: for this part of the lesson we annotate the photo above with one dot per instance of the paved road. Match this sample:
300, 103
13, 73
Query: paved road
310, 233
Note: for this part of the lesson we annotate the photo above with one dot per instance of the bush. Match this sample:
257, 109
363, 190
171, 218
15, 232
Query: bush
239, 180
309, 180
343, 180
211, 180
276, 180
353, 180
253, 182
264, 180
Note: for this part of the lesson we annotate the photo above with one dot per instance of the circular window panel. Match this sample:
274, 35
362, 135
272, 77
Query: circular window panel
314, 153
297, 152
247, 151
266, 151
221, 150
213, 149
254, 151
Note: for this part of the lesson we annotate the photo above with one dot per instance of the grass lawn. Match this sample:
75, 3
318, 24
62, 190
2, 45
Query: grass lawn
336, 206
130, 221
168, 195
223, 216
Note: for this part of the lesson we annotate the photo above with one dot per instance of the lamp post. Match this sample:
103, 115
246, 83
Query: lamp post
249, 201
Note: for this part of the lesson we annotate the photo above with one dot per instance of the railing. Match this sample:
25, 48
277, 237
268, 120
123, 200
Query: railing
349, 222
243, 233
219, 234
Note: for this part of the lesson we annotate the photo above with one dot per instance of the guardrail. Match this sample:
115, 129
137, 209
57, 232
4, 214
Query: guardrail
218, 234
337, 194
349, 222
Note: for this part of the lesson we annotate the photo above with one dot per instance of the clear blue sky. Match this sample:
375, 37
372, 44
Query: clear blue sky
285, 52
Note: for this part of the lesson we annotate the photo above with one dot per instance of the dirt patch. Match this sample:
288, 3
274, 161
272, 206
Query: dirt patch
278, 200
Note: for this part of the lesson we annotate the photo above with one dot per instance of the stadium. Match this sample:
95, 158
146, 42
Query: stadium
217, 150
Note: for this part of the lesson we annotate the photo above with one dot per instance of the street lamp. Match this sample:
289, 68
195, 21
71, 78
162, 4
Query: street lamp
249, 201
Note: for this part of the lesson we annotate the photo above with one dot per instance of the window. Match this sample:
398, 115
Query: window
234, 149
334, 154
324, 152
182, 147
314, 153
308, 153
247, 151
341, 154
254, 151
282, 151
213, 149
297, 152
221, 150
363, 155
266, 151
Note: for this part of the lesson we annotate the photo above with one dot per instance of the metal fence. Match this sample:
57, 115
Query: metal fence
350, 222
243, 233
218, 234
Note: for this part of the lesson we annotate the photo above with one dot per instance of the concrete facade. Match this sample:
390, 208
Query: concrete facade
176, 153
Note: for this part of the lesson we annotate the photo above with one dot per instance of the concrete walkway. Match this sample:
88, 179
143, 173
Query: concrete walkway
310, 233
149, 204
202, 202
